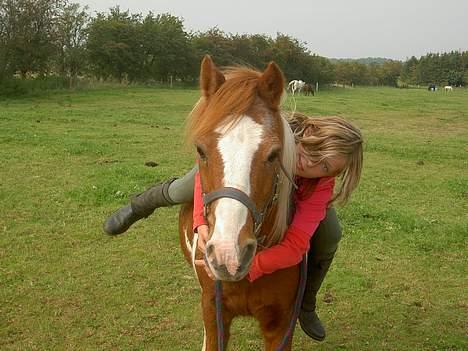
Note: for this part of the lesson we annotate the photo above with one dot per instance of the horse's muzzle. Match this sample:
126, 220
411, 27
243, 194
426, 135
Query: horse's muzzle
227, 263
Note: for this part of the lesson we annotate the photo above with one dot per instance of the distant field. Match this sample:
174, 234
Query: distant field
399, 281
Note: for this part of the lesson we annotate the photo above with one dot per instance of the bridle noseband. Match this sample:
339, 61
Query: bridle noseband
243, 198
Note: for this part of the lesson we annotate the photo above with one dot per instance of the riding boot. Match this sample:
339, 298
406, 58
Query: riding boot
323, 246
308, 318
171, 192
141, 206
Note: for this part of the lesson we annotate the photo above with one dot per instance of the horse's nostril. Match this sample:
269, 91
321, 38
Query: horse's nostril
249, 249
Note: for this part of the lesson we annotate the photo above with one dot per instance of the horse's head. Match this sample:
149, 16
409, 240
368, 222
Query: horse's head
240, 139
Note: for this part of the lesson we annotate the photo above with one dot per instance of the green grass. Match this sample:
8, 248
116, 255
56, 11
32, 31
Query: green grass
69, 159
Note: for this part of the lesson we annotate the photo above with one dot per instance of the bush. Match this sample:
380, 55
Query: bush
15, 87
12, 87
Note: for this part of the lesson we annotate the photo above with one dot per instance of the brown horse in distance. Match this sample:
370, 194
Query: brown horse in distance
308, 90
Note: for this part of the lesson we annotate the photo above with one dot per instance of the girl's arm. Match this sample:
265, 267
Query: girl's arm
307, 217
198, 218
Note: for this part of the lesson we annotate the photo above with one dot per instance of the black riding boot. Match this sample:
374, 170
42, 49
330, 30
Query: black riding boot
141, 206
310, 322
323, 246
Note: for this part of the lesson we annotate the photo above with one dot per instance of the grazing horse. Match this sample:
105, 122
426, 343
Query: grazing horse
308, 89
448, 88
245, 151
432, 87
296, 86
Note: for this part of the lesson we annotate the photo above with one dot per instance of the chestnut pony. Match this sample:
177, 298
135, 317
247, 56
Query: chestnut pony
245, 149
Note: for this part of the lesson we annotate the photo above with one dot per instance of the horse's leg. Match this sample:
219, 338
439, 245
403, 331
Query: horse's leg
274, 323
210, 340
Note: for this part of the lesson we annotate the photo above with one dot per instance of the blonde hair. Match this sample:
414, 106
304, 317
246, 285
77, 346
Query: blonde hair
326, 137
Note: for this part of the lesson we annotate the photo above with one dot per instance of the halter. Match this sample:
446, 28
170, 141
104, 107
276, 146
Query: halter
243, 198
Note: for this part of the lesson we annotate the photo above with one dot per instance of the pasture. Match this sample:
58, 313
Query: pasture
69, 159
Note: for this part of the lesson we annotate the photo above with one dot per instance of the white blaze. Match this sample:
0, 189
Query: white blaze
237, 147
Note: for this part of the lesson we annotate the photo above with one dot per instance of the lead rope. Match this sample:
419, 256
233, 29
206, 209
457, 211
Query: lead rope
294, 316
219, 314
297, 304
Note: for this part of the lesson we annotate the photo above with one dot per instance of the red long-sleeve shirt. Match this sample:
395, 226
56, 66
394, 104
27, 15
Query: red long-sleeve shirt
309, 212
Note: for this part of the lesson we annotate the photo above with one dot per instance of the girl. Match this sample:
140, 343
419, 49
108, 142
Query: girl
327, 147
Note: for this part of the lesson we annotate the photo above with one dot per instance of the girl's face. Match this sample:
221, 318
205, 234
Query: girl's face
306, 168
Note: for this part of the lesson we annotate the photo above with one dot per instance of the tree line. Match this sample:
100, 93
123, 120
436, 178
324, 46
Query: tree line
56, 38
440, 68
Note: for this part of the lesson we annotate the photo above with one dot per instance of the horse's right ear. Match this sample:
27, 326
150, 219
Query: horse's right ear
271, 85
211, 77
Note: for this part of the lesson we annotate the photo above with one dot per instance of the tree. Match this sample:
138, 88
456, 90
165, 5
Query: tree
115, 45
319, 70
408, 71
7, 20
71, 41
391, 71
455, 78
352, 73
215, 43
292, 56
258, 52
29, 34
167, 48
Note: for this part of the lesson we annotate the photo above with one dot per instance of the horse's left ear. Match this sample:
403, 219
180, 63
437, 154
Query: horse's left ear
211, 77
271, 85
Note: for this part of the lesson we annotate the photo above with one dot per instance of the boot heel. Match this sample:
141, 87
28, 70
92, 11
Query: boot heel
311, 325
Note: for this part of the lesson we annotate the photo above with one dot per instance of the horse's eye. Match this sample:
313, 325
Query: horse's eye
201, 153
273, 155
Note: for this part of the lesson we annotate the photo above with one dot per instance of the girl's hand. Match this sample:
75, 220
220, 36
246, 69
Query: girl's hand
202, 231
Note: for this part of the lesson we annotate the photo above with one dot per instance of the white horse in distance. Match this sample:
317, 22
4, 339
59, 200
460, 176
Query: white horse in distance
448, 88
296, 86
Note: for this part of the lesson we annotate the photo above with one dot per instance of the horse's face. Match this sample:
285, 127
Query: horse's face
242, 155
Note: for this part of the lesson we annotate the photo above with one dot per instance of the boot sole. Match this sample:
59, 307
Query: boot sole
310, 335
316, 338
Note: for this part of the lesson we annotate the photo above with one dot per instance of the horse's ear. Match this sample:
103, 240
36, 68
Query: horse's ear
271, 85
211, 77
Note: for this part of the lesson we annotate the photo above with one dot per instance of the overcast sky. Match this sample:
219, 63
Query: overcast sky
395, 29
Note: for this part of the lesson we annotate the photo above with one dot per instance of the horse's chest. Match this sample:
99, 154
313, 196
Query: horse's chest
247, 299
236, 298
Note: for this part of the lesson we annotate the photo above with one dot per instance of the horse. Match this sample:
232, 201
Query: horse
432, 87
246, 154
308, 89
296, 86
448, 88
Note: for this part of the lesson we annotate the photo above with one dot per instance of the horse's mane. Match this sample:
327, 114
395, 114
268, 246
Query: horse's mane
281, 222
232, 100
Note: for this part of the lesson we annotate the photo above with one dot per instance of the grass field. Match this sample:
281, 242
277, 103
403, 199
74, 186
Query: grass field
399, 281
